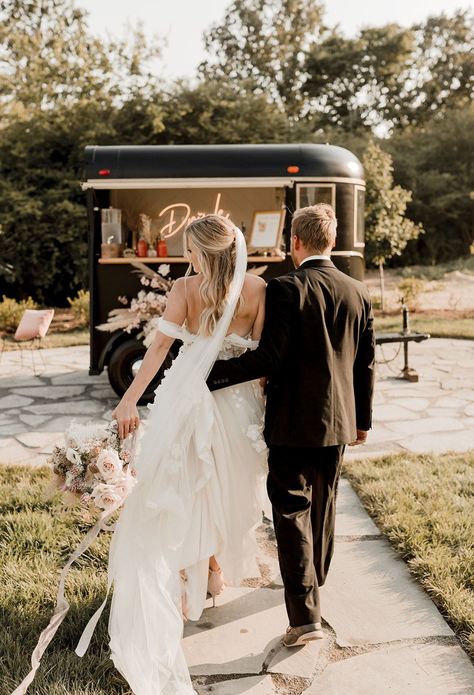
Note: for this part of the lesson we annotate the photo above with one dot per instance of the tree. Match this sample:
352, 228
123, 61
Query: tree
391, 76
359, 83
387, 230
220, 111
262, 43
436, 163
60, 89
47, 57
442, 67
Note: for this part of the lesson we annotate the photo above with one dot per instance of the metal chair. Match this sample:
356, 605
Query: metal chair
32, 328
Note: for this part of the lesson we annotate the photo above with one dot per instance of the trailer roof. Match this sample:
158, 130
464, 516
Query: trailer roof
219, 161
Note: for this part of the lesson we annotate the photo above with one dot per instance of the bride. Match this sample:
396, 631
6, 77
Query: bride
191, 517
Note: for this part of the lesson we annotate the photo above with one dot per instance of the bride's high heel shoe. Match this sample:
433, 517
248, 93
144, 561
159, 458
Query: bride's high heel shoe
215, 584
184, 597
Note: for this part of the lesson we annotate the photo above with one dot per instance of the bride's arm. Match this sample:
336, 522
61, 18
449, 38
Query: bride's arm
126, 412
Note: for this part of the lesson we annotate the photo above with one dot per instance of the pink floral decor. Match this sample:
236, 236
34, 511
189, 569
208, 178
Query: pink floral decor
144, 309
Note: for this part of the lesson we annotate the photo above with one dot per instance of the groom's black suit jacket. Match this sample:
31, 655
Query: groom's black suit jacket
317, 350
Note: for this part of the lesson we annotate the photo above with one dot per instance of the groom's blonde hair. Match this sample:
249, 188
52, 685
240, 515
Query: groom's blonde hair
315, 226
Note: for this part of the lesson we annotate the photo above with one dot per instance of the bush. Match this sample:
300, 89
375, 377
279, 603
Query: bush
80, 307
11, 312
409, 289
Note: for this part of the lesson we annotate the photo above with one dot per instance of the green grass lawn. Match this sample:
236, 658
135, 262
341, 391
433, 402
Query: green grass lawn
436, 326
425, 506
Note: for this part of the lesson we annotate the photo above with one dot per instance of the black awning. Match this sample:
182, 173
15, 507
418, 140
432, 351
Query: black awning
216, 161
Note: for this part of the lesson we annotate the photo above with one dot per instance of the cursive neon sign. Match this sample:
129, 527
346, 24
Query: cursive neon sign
173, 225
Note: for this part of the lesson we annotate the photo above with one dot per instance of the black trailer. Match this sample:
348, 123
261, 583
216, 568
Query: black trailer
171, 183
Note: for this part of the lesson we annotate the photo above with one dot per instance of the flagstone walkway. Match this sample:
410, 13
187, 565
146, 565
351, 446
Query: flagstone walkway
383, 634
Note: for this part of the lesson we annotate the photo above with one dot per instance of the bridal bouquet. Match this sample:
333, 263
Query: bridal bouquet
94, 465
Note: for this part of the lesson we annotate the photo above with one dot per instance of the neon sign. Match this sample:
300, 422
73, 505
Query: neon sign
173, 226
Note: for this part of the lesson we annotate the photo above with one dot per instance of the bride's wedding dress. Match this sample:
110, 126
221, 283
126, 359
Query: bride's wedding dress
199, 492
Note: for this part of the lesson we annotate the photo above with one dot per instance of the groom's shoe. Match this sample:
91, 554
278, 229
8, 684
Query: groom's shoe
299, 636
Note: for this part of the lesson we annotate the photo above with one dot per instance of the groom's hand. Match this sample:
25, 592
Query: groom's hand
361, 438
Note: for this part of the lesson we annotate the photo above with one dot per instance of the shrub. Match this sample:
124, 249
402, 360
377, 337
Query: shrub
409, 289
80, 307
11, 312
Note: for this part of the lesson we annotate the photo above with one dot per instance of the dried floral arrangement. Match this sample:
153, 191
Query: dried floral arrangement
143, 310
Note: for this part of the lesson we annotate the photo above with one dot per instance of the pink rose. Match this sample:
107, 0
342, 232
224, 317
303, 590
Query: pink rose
109, 465
125, 455
106, 496
124, 485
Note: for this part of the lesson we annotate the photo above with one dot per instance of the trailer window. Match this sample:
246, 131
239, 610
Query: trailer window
359, 212
311, 193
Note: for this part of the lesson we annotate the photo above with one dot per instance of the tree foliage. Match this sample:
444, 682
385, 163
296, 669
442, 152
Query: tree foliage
48, 57
263, 43
220, 111
436, 164
387, 229
392, 76
60, 89
358, 83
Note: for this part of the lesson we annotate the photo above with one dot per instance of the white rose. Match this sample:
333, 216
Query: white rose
106, 496
73, 456
109, 465
164, 269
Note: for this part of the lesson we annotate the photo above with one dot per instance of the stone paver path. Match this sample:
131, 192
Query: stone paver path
382, 632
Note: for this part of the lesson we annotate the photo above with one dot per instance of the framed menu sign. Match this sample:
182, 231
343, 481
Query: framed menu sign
267, 227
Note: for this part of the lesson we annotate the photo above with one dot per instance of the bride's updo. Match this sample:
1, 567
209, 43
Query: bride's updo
214, 239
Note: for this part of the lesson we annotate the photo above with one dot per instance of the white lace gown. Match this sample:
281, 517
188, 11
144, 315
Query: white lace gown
203, 495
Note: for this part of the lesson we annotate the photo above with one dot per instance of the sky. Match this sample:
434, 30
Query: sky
182, 22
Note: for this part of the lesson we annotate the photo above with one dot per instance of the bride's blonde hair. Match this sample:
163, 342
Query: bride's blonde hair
214, 239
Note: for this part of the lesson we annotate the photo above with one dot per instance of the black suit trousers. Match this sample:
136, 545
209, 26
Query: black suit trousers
302, 487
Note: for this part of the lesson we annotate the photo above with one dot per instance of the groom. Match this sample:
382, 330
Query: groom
317, 350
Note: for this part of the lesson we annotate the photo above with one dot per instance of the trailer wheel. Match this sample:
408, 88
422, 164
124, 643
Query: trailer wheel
124, 364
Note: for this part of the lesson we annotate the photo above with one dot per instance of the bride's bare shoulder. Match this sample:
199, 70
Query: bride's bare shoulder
188, 283
254, 283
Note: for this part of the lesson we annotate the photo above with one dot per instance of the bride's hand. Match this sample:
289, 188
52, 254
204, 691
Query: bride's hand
127, 417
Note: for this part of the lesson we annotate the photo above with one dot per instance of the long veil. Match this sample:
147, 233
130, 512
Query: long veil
147, 550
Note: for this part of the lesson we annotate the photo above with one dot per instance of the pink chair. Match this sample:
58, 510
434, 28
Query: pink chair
33, 327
